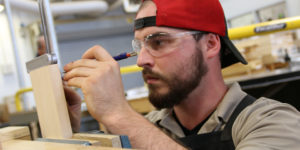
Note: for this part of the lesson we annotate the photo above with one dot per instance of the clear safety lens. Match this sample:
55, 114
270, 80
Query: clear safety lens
160, 44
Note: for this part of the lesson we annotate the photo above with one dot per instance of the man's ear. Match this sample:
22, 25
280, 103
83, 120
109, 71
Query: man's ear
213, 44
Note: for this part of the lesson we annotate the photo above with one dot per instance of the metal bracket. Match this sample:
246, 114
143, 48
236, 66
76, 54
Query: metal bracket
85, 143
41, 61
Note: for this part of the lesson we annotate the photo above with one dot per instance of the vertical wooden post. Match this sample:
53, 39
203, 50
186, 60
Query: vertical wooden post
51, 102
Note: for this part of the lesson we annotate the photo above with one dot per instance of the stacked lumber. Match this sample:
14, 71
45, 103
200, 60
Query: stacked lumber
263, 53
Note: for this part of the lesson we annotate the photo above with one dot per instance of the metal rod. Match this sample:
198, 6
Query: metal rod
20, 74
49, 31
265, 28
44, 26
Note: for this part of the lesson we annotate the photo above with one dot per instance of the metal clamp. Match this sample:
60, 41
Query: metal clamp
52, 55
41, 61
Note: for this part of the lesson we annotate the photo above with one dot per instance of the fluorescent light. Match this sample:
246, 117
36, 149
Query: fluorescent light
131, 6
1, 8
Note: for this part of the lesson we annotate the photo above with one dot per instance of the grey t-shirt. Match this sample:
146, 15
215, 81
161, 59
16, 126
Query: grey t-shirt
265, 124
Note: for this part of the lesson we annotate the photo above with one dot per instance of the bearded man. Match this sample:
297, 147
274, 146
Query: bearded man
182, 45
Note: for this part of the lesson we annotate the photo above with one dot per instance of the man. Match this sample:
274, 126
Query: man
183, 46
41, 45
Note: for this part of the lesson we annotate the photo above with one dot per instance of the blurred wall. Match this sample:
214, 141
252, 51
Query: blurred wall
235, 8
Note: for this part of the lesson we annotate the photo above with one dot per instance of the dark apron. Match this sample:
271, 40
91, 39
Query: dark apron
221, 140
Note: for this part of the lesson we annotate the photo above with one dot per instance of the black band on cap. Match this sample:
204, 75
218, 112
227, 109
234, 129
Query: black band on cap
145, 22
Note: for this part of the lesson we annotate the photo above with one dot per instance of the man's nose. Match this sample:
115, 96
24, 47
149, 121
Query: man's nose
145, 58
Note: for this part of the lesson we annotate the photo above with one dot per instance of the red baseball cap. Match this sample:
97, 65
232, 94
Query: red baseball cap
200, 15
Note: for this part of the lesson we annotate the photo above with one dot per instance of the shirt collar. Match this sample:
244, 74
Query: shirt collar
230, 101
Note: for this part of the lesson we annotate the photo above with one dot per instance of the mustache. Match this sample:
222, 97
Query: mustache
149, 72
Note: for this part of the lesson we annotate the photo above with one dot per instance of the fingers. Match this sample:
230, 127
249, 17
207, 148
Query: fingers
91, 63
90, 58
94, 61
74, 107
76, 82
71, 96
78, 72
75, 76
97, 52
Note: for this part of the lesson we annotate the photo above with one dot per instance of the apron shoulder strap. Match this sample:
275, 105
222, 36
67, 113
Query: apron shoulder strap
226, 134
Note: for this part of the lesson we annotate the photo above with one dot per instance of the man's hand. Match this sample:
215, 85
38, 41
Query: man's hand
98, 75
74, 107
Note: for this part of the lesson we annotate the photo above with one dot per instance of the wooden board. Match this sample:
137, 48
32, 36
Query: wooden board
4, 113
10, 133
297, 43
141, 105
50, 102
105, 140
35, 145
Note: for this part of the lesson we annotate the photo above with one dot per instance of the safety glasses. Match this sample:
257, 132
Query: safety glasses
160, 44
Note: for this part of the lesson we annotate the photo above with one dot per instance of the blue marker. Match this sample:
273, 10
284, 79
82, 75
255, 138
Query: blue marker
124, 56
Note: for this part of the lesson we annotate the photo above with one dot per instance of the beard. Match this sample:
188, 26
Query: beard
179, 89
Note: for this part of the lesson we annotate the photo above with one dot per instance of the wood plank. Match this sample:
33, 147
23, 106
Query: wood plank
36, 145
141, 105
105, 140
51, 103
11, 133
14, 132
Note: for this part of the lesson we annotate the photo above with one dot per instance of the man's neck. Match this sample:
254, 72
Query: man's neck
201, 102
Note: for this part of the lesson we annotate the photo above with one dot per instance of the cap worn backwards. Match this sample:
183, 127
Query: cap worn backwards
200, 15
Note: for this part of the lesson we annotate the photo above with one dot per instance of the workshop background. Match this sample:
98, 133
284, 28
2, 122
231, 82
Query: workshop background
274, 59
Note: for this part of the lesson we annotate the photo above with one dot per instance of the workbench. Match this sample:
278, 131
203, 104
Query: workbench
266, 78
280, 84
18, 138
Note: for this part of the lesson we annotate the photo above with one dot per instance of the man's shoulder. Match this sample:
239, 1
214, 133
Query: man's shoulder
267, 118
157, 115
264, 107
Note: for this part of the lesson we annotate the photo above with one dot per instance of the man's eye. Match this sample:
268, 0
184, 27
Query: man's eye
156, 44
